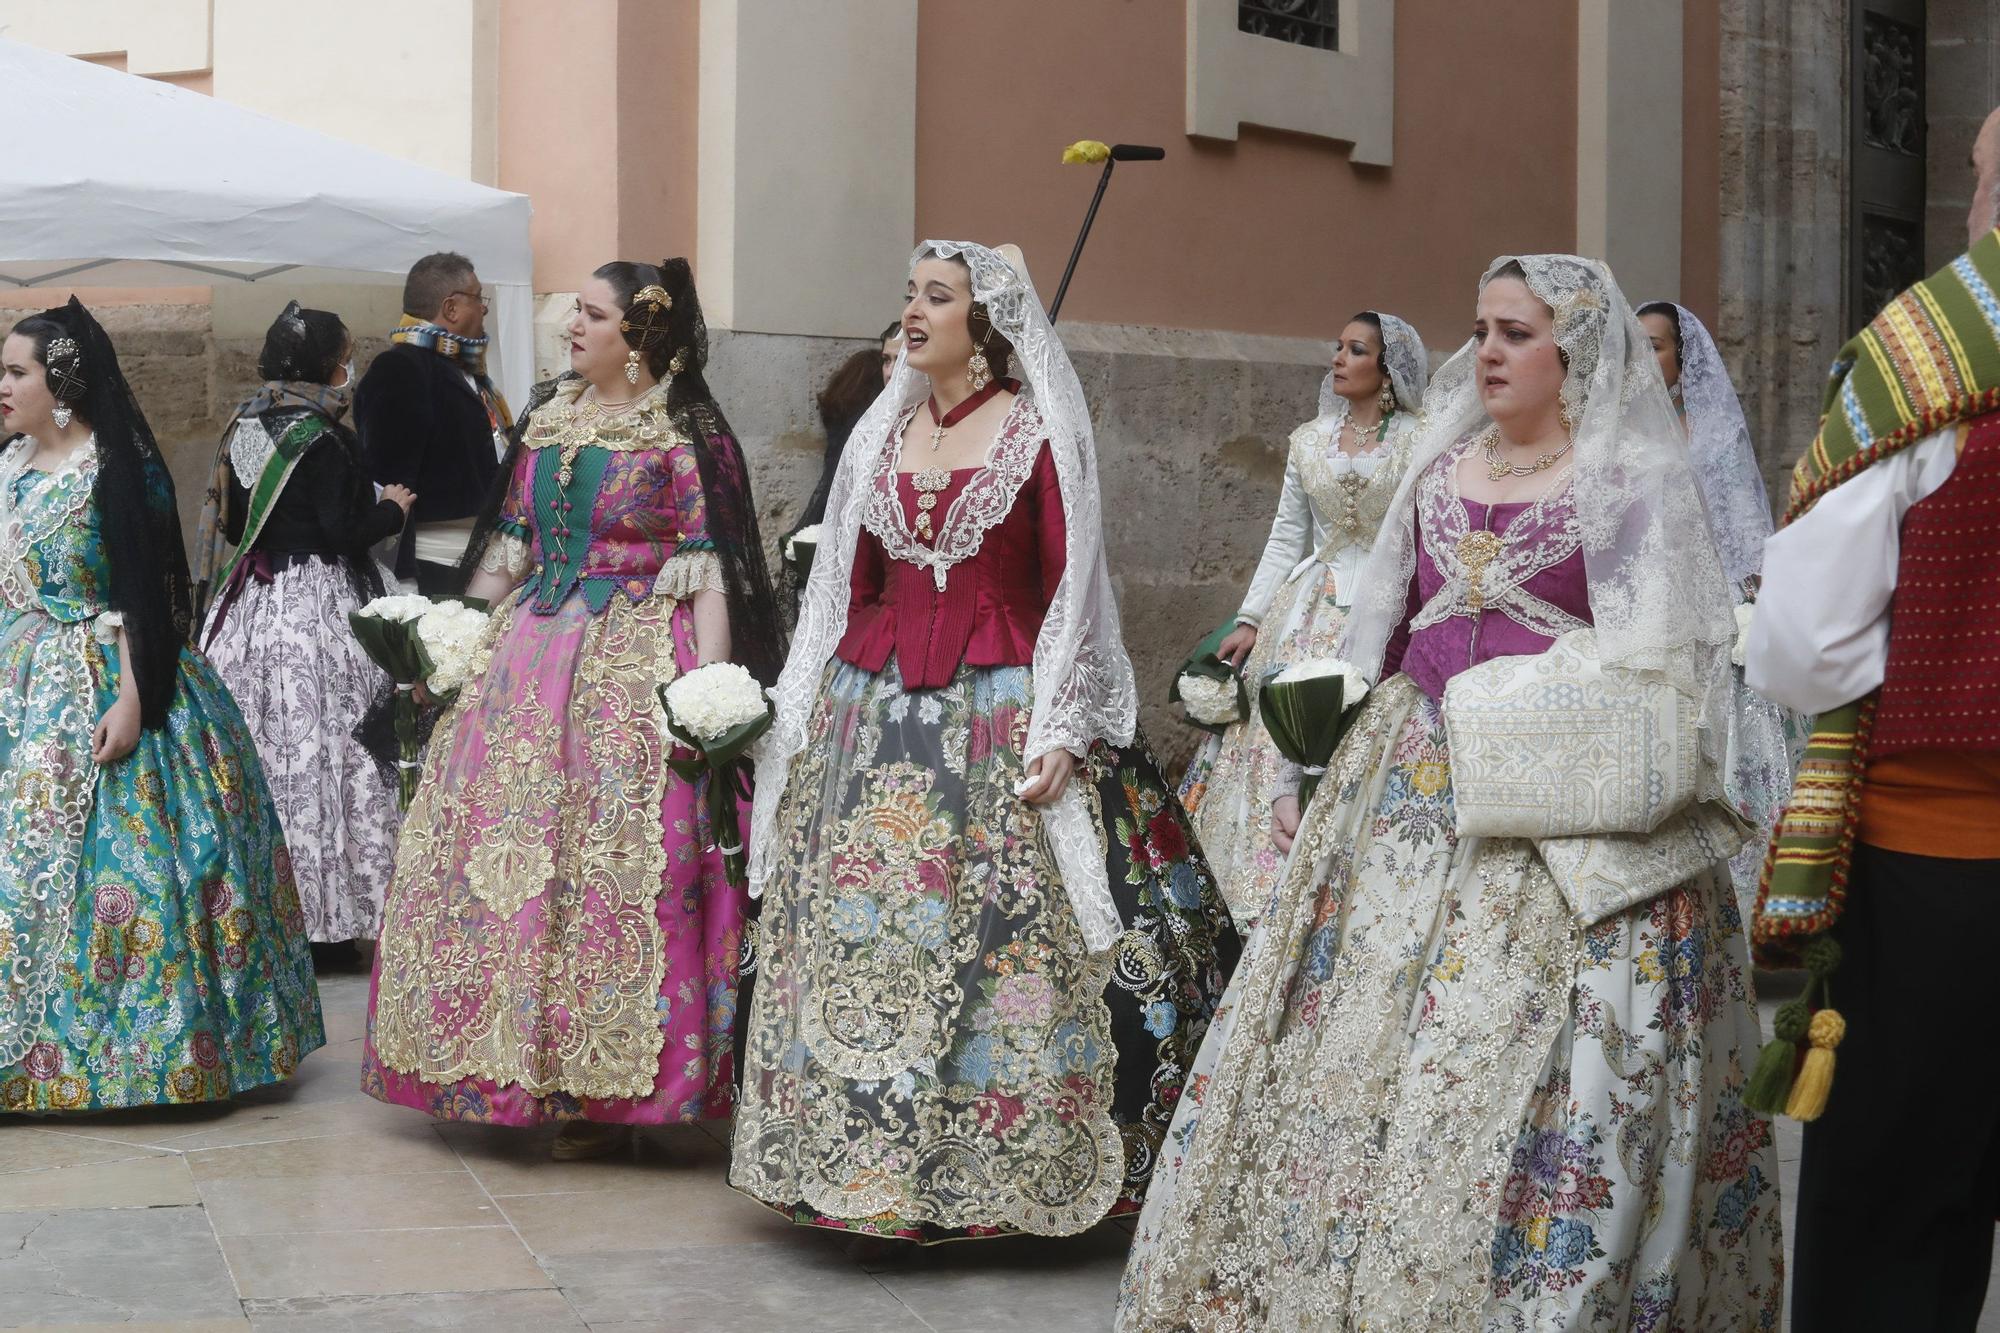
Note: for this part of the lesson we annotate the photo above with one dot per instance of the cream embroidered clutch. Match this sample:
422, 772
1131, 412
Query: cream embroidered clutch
1603, 875
1553, 746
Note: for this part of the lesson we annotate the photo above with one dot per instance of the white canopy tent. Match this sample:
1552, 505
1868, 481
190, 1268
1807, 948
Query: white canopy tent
119, 181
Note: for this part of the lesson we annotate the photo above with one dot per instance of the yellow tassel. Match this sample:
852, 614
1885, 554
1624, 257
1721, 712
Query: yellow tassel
1815, 1080
1085, 152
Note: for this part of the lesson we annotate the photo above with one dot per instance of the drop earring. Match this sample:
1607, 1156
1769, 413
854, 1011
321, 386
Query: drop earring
978, 371
1562, 411
1387, 398
632, 366
62, 413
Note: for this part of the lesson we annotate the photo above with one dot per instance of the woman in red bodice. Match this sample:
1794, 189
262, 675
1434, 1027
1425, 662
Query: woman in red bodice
968, 1019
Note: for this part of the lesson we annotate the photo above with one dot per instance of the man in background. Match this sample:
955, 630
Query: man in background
431, 419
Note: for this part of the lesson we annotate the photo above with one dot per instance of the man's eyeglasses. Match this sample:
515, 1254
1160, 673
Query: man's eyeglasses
485, 301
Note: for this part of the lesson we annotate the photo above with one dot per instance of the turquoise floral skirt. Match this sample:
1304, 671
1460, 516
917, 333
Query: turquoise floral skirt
155, 947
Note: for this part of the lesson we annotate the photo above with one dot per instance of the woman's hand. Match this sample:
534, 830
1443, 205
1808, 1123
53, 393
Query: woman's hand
117, 731
400, 496
1235, 649
1284, 822
1048, 777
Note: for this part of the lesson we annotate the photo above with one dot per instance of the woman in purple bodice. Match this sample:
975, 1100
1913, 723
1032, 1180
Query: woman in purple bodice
1481, 1067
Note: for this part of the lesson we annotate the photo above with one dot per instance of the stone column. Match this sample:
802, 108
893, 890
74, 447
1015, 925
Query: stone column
1784, 182
1628, 143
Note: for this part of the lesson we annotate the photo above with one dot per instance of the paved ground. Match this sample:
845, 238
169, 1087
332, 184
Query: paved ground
312, 1207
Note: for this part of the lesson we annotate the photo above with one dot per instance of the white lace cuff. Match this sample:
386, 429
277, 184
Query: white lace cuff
688, 573
107, 626
506, 554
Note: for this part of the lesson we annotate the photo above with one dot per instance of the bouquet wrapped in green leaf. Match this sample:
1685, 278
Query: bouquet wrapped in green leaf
1208, 688
1307, 709
718, 711
800, 549
438, 645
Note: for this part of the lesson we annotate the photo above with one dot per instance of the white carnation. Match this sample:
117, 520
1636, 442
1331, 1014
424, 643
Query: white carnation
1210, 702
1745, 613
1353, 685
402, 607
711, 701
808, 534
452, 634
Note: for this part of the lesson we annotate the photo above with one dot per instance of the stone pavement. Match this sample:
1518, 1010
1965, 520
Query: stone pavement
312, 1207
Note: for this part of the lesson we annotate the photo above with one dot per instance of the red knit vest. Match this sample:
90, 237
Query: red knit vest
1941, 687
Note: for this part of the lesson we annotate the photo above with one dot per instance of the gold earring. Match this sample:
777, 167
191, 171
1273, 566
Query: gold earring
632, 366
1387, 398
978, 371
1562, 411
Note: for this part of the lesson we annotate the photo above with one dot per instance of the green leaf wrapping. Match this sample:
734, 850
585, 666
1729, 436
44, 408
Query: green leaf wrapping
1306, 719
394, 646
1204, 663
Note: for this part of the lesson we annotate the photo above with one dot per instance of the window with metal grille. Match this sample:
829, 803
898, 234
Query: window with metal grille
1314, 23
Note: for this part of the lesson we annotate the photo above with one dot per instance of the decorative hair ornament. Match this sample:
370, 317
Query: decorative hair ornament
294, 317
679, 363
62, 359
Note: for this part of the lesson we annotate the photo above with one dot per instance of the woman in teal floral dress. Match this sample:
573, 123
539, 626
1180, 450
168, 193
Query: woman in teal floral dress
151, 944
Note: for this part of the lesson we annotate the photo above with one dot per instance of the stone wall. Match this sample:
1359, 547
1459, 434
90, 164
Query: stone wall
1961, 87
1784, 181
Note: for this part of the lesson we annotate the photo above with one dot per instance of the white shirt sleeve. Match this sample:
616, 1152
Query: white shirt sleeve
1819, 637
1291, 536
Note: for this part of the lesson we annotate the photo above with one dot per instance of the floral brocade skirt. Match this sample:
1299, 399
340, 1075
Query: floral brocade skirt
560, 941
1431, 1100
154, 950
1235, 776
303, 681
931, 1052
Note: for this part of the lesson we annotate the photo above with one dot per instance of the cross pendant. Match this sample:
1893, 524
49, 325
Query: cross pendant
937, 437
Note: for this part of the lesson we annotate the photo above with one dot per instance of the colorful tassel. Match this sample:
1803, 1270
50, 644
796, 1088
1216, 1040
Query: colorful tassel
1770, 1082
1815, 1080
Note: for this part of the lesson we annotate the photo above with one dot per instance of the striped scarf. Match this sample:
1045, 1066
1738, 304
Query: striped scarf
1927, 362
468, 353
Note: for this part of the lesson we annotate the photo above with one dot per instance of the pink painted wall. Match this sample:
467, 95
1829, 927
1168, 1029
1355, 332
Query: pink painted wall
598, 106
1273, 233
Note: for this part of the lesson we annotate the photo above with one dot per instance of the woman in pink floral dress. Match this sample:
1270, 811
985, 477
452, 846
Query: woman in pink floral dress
561, 941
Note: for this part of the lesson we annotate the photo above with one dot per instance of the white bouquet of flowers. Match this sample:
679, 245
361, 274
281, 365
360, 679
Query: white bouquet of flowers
801, 548
1307, 708
450, 636
1211, 702
718, 711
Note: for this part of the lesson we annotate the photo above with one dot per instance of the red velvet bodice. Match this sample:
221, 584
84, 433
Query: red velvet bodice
992, 604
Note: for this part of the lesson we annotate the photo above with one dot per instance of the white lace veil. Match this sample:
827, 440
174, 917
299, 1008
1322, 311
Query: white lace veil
1725, 466
1658, 596
1084, 689
1409, 368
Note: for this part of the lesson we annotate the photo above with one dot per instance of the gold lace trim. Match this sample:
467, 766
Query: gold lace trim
566, 422
461, 999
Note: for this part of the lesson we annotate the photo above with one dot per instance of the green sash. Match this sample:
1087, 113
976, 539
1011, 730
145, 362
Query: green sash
285, 455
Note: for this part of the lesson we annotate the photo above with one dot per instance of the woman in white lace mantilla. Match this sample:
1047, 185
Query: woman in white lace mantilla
1765, 740
987, 949
1481, 1066
1340, 471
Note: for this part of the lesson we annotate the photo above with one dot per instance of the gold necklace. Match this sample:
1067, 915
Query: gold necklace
1499, 469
